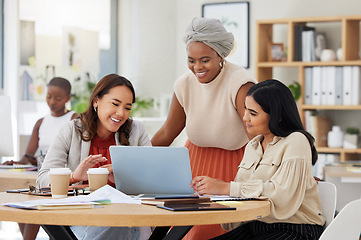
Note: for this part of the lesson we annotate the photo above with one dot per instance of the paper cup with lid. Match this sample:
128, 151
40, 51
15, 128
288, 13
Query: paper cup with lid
59, 182
97, 177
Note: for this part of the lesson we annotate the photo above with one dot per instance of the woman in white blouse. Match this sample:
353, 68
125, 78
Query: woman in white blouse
277, 164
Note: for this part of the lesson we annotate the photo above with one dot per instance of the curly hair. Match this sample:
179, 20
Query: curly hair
89, 117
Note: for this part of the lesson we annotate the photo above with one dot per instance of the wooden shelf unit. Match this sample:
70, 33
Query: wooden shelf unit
350, 44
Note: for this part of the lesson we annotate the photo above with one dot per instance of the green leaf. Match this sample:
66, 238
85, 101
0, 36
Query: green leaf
295, 90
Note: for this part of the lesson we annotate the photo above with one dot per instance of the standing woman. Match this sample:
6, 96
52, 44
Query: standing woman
84, 143
277, 165
209, 102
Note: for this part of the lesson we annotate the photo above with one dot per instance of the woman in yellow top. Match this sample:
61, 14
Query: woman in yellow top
209, 103
277, 164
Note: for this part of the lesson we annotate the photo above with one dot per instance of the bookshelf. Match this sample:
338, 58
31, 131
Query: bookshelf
348, 30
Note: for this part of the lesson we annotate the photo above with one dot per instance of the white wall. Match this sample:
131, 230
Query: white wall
152, 52
158, 56
147, 45
11, 60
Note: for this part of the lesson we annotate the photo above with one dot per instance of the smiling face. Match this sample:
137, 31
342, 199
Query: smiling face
56, 99
203, 61
257, 121
113, 110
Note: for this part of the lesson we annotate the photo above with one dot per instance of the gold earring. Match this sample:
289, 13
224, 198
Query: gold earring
221, 64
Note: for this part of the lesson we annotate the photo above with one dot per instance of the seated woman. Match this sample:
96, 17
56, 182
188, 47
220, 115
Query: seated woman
277, 164
84, 143
44, 133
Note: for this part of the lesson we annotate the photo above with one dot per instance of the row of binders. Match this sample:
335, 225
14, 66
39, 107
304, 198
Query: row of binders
332, 85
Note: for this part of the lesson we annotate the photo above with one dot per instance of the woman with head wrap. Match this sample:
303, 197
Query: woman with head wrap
209, 102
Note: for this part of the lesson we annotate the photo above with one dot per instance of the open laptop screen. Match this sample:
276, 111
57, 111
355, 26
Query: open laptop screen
151, 170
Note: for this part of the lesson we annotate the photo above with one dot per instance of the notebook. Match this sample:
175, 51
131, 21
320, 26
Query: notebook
151, 170
196, 207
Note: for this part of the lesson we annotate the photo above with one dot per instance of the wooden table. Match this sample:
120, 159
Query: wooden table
16, 179
129, 215
344, 173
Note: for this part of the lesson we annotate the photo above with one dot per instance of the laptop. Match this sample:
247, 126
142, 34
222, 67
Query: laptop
152, 171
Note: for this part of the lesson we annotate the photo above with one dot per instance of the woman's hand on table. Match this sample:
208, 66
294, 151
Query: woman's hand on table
206, 185
80, 173
11, 162
110, 169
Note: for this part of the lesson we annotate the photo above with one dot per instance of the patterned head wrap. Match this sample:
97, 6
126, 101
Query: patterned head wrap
211, 32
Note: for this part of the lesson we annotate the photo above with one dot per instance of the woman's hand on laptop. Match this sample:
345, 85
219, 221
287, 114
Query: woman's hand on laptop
110, 169
206, 185
80, 173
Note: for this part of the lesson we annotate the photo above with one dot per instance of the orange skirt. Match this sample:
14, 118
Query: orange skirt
216, 163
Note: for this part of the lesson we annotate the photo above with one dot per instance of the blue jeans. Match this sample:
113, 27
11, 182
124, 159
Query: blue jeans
98, 233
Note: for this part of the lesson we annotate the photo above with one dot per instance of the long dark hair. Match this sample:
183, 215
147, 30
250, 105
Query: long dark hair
277, 101
89, 118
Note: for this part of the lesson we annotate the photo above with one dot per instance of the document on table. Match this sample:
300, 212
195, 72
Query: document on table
104, 195
113, 195
64, 203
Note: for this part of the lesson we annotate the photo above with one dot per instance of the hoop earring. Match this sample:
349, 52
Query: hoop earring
221, 64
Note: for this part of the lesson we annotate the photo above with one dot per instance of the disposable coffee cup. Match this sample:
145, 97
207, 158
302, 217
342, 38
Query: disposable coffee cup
97, 177
59, 182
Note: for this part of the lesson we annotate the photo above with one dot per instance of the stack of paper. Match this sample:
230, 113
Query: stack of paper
104, 195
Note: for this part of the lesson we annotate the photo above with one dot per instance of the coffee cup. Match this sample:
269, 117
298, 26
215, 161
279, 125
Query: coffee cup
59, 182
97, 177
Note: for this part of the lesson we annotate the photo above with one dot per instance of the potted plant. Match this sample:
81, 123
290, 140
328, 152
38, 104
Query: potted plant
142, 107
295, 88
350, 140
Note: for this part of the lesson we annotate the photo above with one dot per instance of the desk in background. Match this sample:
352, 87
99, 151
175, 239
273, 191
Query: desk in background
348, 184
10, 179
127, 215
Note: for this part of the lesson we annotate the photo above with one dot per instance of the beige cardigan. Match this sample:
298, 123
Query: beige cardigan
68, 149
283, 173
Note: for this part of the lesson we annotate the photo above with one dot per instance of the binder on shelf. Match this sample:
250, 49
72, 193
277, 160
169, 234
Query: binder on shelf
311, 39
347, 85
298, 29
305, 47
309, 123
339, 86
330, 85
316, 85
324, 85
308, 85
308, 46
355, 83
